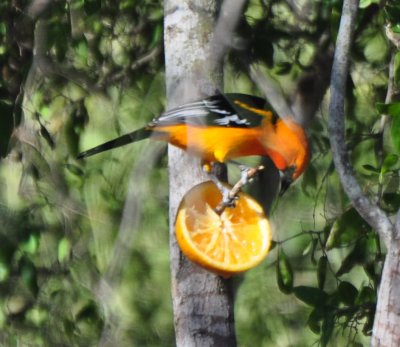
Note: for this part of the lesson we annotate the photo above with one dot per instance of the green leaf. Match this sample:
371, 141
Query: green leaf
371, 272
392, 11
87, 311
367, 328
4, 271
265, 53
389, 163
314, 320
309, 181
157, 35
31, 245
92, 6
367, 295
371, 168
367, 3
397, 67
283, 68
310, 247
376, 48
273, 245
64, 250
37, 316
395, 133
29, 274
310, 295
392, 202
396, 28
346, 229
391, 109
7, 124
284, 273
327, 328
355, 257
75, 170
347, 293
321, 271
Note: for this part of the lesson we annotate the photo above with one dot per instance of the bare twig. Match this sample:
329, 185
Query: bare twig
367, 209
390, 91
43, 65
147, 57
301, 11
393, 37
121, 75
310, 89
233, 193
38, 7
229, 15
271, 91
390, 96
312, 86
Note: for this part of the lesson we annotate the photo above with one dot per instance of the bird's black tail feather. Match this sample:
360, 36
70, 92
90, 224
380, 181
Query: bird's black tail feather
134, 136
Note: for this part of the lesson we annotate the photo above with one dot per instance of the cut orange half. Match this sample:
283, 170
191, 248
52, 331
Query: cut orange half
226, 244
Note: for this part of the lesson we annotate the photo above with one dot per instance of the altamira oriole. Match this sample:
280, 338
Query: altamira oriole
223, 127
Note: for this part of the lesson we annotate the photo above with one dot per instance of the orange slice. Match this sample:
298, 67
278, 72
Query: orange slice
226, 244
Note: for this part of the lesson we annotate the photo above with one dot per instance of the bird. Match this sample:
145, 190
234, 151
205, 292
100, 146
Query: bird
223, 127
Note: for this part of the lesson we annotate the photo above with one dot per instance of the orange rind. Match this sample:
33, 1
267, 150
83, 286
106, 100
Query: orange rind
229, 243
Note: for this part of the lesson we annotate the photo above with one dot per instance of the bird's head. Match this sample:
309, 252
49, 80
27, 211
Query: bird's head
287, 145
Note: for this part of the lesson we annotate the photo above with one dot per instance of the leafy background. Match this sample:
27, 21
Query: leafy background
84, 244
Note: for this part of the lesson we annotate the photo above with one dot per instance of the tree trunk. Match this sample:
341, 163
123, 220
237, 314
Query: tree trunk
386, 332
202, 302
387, 318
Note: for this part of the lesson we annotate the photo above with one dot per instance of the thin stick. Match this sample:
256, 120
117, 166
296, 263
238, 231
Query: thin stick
233, 193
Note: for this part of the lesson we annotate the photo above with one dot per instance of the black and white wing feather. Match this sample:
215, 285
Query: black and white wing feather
219, 110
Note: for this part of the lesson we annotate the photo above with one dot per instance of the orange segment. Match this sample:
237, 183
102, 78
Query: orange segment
227, 244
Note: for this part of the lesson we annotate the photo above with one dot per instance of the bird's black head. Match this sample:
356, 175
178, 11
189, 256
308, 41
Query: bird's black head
286, 179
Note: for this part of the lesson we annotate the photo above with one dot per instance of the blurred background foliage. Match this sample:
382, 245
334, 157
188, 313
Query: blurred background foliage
84, 244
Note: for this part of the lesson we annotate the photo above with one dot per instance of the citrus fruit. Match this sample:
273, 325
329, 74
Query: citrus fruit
228, 243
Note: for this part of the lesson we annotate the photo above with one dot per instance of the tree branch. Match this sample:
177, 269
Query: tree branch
375, 217
228, 19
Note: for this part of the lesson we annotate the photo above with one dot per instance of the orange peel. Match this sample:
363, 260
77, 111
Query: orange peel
228, 243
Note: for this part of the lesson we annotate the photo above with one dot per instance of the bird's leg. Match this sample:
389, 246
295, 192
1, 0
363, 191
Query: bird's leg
230, 195
244, 174
214, 172
245, 170
228, 198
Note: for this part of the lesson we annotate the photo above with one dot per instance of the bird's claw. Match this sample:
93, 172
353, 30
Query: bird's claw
244, 174
230, 195
228, 199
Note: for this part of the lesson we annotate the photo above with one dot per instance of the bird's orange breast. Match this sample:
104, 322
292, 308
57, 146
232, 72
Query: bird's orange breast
213, 143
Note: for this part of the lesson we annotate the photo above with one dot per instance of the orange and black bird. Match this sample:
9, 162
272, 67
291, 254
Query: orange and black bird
227, 126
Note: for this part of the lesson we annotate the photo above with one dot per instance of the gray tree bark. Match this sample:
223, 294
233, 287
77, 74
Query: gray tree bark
202, 301
386, 332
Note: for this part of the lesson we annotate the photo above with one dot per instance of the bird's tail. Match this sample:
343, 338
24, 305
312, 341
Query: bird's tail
134, 136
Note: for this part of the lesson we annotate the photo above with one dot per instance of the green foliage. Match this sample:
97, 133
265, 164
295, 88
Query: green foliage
284, 273
84, 246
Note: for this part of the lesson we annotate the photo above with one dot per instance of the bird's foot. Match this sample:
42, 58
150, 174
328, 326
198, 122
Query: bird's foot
230, 195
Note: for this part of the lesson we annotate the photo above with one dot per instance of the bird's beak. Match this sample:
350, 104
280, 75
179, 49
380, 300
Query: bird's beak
286, 180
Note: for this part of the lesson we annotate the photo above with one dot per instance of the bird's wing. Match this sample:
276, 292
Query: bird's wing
225, 110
